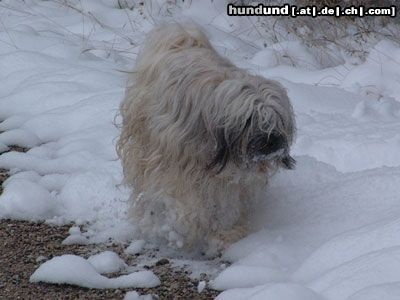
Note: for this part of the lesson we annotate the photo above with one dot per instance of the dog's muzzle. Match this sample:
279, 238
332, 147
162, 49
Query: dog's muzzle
265, 149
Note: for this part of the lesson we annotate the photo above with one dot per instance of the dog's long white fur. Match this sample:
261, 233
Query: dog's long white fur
179, 93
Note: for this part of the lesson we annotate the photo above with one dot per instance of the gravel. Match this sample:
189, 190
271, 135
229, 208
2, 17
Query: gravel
24, 246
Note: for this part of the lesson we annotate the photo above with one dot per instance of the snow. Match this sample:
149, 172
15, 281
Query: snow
41, 258
75, 270
274, 291
327, 230
135, 247
75, 237
133, 295
201, 286
388, 291
357, 274
285, 53
349, 246
384, 57
24, 199
249, 276
107, 262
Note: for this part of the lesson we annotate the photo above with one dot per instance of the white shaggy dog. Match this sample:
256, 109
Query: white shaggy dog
200, 137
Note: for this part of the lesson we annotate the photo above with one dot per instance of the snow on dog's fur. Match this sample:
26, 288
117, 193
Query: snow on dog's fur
200, 137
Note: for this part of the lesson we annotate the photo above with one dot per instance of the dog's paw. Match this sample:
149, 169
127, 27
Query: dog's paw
218, 243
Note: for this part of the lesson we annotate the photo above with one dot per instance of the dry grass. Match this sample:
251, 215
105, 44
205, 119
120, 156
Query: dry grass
331, 38
332, 3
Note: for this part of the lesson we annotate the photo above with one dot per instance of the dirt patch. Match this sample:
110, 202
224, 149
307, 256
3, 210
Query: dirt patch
3, 176
16, 149
22, 243
26, 245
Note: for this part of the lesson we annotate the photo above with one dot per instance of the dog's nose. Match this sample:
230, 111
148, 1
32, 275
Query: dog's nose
271, 147
273, 143
268, 145
277, 143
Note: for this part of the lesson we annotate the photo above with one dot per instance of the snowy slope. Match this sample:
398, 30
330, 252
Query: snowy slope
328, 230
61, 84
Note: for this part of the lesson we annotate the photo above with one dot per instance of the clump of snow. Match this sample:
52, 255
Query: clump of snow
75, 240
133, 295
107, 262
19, 137
201, 286
24, 199
135, 247
75, 237
41, 258
75, 270
285, 53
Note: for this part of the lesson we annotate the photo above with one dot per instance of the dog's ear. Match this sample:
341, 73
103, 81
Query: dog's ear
228, 146
222, 151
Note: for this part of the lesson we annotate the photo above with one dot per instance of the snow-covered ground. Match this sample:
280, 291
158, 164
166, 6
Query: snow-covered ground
328, 230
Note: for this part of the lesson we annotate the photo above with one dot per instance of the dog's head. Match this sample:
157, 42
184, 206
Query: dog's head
255, 126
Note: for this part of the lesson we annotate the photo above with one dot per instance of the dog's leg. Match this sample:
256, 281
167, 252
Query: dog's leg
230, 219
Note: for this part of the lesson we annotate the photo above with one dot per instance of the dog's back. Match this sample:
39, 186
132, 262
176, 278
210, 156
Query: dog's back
168, 37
